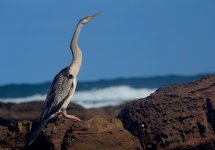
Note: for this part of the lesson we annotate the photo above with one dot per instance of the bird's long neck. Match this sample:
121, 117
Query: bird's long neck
75, 66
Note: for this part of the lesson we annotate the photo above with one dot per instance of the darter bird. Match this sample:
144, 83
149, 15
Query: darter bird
63, 85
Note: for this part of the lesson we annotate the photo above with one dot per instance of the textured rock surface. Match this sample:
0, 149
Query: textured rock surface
60, 133
176, 117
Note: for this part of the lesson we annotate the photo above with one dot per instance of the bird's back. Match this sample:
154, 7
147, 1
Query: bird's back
58, 92
57, 95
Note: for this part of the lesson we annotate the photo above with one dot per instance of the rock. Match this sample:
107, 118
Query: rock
175, 117
102, 134
12, 136
60, 133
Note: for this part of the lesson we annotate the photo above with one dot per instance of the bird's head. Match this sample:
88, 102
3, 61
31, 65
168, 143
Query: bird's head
88, 18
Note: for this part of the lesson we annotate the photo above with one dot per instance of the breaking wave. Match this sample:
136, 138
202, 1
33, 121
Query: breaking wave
113, 95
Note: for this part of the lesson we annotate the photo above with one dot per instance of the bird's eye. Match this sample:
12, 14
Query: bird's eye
70, 76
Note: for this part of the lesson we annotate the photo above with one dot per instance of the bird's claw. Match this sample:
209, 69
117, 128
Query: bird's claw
65, 115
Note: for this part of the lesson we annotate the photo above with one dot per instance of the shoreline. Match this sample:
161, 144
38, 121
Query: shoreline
174, 117
32, 110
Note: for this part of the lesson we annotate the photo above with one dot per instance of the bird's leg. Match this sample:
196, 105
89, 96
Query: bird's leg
59, 114
64, 113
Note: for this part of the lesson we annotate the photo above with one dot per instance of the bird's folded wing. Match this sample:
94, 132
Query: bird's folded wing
58, 92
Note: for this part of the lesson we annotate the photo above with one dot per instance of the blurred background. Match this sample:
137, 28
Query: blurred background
133, 45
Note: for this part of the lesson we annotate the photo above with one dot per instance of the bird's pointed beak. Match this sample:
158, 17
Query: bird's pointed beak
96, 14
93, 16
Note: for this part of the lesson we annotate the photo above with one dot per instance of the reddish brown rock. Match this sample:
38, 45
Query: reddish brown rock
175, 117
102, 134
12, 135
60, 133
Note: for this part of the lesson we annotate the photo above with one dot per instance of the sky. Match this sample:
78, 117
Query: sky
138, 38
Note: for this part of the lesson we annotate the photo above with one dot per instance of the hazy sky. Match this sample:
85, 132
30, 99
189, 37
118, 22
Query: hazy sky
130, 38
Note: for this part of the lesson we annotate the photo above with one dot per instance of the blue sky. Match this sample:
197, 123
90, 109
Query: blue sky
130, 38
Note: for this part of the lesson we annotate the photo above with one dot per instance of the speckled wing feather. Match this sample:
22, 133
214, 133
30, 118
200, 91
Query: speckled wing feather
58, 92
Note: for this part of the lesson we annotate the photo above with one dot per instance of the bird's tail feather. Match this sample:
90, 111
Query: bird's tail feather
36, 133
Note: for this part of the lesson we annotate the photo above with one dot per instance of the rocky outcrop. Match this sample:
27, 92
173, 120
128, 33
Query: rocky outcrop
175, 117
60, 133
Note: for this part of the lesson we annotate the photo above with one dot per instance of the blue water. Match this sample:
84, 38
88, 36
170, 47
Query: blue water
96, 93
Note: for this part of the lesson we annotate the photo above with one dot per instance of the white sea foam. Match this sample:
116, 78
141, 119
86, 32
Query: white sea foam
37, 97
114, 95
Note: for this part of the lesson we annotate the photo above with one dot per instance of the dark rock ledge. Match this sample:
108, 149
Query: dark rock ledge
175, 117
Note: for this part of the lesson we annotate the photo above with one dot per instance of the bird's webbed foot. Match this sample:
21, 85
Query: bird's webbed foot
64, 114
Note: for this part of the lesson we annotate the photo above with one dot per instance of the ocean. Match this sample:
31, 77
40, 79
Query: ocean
99, 93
